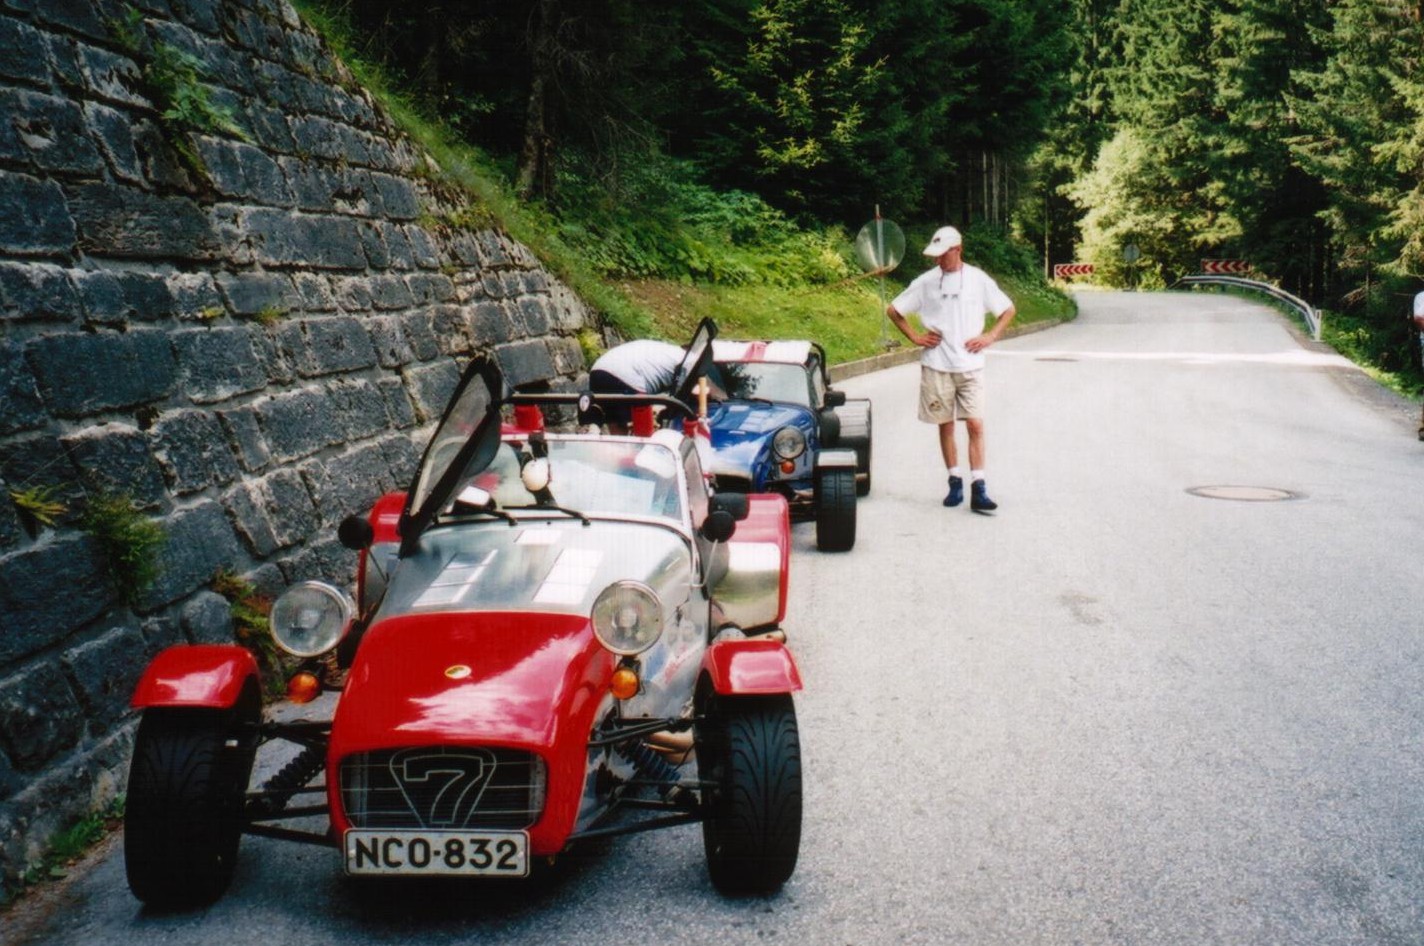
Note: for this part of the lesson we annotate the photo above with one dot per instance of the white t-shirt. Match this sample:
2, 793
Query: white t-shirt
644, 364
1418, 312
955, 305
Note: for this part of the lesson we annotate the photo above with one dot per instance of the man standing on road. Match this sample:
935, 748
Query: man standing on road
952, 300
1419, 323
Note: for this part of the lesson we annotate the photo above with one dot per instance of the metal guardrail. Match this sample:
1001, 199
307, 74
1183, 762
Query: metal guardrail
1306, 310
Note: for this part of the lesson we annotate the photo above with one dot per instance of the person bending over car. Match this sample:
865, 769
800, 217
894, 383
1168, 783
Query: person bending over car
643, 366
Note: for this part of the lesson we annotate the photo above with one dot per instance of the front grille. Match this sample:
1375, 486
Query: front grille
435, 787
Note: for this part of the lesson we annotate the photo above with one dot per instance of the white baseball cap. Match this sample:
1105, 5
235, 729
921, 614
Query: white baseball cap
945, 239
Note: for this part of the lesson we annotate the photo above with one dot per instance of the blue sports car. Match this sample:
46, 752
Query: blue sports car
781, 428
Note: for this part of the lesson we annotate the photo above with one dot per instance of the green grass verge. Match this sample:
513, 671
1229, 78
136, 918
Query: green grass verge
1352, 337
846, 319
68, 846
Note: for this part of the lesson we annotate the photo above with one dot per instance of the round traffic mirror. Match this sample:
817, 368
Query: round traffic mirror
879, 246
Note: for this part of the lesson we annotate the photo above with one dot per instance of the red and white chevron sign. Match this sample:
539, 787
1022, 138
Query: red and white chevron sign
1225, 266
1064, 270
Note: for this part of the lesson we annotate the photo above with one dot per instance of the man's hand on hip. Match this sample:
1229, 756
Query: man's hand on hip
980, 342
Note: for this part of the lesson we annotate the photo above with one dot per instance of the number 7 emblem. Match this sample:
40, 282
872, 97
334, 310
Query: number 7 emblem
443, 787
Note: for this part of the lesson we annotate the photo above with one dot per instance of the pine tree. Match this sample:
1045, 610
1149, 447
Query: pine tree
1073, 135
1167, 123
1358, 116
797, 98
1266, 45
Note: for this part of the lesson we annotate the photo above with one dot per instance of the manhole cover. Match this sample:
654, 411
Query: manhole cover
1245, 494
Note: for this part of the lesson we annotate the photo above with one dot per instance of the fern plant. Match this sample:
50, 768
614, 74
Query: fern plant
173, 79
37, 507
251, 629
185, 101
129, 540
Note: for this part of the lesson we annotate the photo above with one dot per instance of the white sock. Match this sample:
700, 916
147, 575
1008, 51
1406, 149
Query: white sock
977, 475
956, 471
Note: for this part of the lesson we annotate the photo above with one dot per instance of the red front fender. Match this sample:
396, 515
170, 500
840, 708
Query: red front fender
769, 520
751, 667
210, 675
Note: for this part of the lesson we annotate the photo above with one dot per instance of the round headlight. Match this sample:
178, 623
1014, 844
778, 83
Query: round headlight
310, 618
789, 443
627, 618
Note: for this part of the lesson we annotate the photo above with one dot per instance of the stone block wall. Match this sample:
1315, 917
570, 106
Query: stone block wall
246, 329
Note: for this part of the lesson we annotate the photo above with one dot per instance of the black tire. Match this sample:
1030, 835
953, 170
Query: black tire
835, 511
183, 816
855, 419
749, 752
862, 461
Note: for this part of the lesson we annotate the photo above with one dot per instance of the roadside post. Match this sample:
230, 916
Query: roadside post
1131, 253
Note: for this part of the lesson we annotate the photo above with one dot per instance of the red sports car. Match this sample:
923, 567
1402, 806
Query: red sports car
555, 637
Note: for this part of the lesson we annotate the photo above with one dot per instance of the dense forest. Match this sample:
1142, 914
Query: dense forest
1289, 133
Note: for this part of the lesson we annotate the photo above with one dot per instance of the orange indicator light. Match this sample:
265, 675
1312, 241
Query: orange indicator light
788, 466
303, 687
625, 683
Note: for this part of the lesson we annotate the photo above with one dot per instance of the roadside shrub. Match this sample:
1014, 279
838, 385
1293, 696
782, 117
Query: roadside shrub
655, 221
994, 249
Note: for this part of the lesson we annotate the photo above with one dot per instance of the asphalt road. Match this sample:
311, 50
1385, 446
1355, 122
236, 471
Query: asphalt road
1116, 712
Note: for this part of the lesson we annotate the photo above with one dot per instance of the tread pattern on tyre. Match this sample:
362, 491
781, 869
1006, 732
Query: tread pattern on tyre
855, 417
754, 836
183, 814
862, 459
835, 510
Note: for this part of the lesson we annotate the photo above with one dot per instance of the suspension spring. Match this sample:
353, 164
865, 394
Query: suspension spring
650, 765
277, 792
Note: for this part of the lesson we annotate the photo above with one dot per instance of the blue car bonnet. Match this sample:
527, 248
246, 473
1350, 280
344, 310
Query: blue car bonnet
742, 433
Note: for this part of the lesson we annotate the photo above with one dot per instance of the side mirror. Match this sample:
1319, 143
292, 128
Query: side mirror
724, 511
735, 504
355, 533
835, 398
719, 526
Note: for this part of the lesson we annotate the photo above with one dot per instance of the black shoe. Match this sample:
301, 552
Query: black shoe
979, 500
956, 492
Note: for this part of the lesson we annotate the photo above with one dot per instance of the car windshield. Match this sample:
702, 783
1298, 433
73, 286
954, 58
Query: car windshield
769, 380
695, 362
463, 416
606, 477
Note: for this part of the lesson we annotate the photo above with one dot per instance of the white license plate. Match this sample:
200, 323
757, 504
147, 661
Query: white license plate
430, 853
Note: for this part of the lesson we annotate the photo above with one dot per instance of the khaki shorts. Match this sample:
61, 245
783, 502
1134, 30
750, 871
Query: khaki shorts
946, 397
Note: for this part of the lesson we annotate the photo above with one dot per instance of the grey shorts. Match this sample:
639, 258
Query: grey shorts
949, 396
